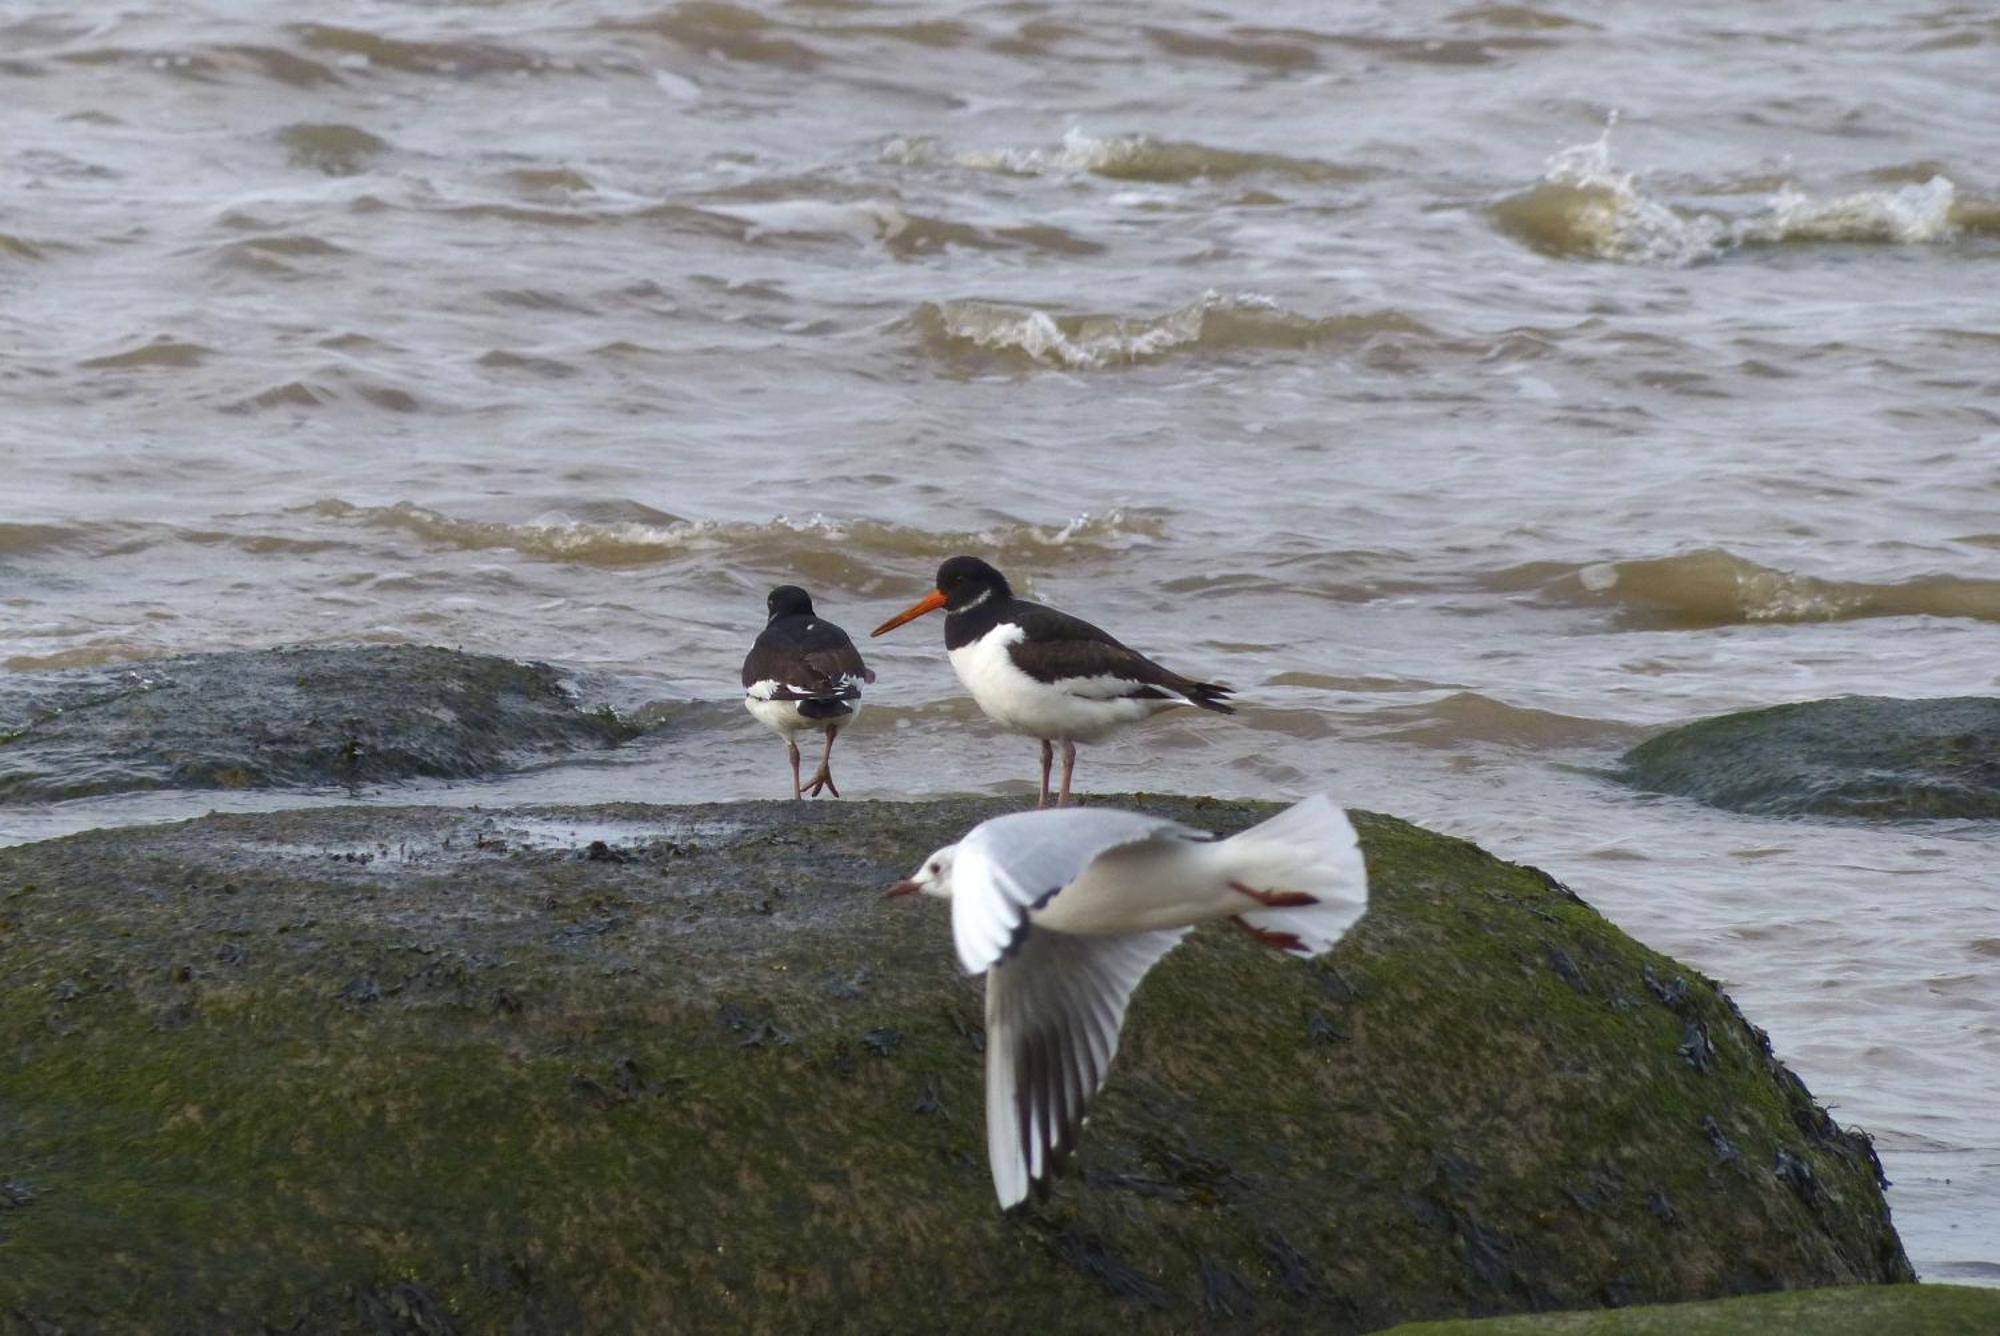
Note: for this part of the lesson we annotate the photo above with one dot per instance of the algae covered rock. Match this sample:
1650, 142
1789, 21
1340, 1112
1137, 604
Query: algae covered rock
1859, 756
365, 714
1854, 1310
643, 1068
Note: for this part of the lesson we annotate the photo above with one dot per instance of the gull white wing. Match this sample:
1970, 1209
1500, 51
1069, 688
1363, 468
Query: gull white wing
1053, 1012
1012, 864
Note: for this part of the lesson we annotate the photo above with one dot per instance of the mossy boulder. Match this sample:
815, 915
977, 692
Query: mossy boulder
1858, 1310
641, 1068
1856, 756
281, 717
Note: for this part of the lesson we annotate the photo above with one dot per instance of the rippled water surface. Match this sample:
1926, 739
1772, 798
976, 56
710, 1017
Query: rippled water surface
1476, 387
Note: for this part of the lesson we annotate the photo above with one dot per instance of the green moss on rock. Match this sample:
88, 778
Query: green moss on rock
639, 1068
1860, 1310
1857, 756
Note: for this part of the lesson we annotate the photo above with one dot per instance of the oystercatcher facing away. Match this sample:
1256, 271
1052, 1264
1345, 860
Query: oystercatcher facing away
1065, 912
1044, 673
803, 675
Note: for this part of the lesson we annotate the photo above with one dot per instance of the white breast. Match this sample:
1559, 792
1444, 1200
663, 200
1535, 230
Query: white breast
1080, 709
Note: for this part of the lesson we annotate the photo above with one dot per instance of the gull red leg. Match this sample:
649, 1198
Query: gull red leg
1271, 937
1274, 899
1069, 768
793, 748
1048, 759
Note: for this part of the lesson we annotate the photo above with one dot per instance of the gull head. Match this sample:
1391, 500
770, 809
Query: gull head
933, 877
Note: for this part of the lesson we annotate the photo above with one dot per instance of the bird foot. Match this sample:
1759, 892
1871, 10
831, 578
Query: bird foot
822, 779
1271, 937
1274, 899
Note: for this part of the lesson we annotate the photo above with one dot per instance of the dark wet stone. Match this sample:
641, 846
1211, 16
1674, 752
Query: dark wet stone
410, 1070
1672, 993
1224, 1291
1697, 1048
1797, 1175
1097, 1259
1855, 756
1566, 969
402, 1309
1296, 1275
1725, 1149
284, 718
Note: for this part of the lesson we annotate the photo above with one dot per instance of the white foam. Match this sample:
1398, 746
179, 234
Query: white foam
1078, 153
865, 220
1619, 221
1098, 341
1624, 223
1912, 215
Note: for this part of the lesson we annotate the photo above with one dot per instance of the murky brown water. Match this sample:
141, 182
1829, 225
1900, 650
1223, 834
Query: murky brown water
1347, 354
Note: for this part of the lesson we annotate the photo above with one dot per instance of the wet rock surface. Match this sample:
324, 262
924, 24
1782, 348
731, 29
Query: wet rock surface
285, 717
644, 1068
1857, 756
1857, 1310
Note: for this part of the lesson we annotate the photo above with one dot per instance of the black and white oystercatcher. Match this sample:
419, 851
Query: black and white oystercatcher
803, 675
1044, 673
1065, 912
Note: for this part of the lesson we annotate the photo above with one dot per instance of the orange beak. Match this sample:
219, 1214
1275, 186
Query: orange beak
904, 887
930, 602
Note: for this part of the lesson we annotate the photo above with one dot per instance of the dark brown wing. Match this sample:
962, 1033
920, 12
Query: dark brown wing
809, 658
1056, 646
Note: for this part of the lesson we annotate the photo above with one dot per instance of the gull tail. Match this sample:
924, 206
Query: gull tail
1307, 856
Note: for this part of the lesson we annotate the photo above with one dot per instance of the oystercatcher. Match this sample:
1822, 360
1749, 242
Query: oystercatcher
803, 675
1044, 673
1065, 912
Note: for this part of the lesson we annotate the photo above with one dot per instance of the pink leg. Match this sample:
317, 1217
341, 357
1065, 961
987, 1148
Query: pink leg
793, 747
1048, 759
823, 777
1069, 768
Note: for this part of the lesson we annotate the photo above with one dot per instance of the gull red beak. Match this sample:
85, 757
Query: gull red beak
903, 887
930, 602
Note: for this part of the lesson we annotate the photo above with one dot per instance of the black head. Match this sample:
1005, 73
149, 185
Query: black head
962, 582
967, 580
789, 601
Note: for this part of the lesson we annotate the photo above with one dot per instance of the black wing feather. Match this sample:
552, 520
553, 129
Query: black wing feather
1056, 645
809, 658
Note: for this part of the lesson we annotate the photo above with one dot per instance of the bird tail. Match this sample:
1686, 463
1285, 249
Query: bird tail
1210, 696
1309, 849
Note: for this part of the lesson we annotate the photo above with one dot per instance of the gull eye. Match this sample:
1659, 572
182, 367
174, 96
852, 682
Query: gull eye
935, 868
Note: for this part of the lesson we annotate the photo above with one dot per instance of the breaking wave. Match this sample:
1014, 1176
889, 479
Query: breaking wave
881, 221
956, 330
1715, 587
1583, 208
657, 538
1122, 158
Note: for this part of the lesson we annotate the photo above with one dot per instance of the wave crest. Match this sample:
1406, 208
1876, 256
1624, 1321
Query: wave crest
1122, 158
1715, 587
954, 330
1583, 208
655, 538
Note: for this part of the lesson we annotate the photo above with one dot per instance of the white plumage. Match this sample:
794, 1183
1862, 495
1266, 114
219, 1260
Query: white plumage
1066, 910
1080, 709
